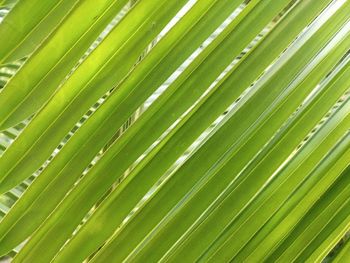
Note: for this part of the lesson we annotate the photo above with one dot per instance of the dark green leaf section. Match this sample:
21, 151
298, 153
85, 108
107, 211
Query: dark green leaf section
328, 212
264, 204
287, 216
344, 254
261, 166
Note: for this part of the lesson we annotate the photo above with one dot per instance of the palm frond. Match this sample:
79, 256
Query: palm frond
181, 130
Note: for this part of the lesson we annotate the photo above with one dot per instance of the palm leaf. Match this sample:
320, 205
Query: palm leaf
147, 131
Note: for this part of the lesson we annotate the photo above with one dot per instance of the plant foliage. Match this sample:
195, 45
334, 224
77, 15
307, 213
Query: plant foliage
174, 131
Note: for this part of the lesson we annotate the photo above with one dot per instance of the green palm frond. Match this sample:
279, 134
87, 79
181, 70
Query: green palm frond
175, 131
